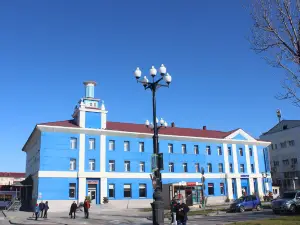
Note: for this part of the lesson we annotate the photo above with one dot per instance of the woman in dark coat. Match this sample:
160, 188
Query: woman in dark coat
73, 209
181, 213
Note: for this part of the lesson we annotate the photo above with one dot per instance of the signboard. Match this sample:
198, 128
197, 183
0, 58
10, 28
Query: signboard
191, 184
92, 182
154, 162
244, 176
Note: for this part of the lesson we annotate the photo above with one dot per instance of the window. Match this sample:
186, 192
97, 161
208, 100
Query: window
171, 167
183, 149
142, 166
127, 166
241, 151
111, 165
111, 145
92, 143
252, 168
222, 191
275, 146
73, 143
92, 164
211, 190
250, 152
209, 168
230, 168
208, 152
72, 164
242, 168
285, 162
294, 161
283, 144
220, 167
229, 150
276, 163
141, 147
127, 190
142, 191
126, 146
185, 169
197, 167
272, 146
72, 190
219, 150
170, 148
291, 143
196, 149
111, 190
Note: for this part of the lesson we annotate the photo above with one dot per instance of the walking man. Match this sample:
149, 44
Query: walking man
46, 209
42, 207
86, 206
173, 211
73, 210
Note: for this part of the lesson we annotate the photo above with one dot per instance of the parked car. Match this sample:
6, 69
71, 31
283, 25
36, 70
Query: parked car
288, 202
249, 202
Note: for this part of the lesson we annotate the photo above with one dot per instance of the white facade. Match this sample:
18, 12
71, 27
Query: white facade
285, 154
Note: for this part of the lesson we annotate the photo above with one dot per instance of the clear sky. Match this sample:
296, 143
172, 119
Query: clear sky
48, 48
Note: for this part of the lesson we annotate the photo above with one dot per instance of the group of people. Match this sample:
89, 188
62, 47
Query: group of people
74, 207
179, 212
41, 210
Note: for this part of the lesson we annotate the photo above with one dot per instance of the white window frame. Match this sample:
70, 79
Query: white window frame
72, 164
196, 149
208, 150
92, 144
92, 164
111, 145
197, 167
112, 165
170, 148
219, 150
142, 167
220, 165
126, 146
143, 186
171, 167
127, 166
183, 148
72, 186
73, 143
111, 187
242, 166
185, 167
209, 168
141, 147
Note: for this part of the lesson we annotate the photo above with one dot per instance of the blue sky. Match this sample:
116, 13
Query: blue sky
48, 48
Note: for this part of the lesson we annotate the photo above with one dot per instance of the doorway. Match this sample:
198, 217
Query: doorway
92, 192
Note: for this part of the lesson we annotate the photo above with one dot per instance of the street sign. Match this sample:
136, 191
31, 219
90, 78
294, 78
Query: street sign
153, 179
154, 162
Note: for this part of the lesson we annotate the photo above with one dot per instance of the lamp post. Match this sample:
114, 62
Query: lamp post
158, 204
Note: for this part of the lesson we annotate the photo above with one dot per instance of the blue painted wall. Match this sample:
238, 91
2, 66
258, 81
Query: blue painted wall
56, 188
92, 154
241, 159
92, 120
55, 153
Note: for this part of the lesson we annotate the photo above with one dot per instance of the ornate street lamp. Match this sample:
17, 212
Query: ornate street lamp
154, 85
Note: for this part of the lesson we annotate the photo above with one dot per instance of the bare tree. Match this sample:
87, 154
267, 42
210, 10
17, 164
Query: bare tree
276, 32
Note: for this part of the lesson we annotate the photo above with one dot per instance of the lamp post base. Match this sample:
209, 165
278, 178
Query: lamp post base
158, 208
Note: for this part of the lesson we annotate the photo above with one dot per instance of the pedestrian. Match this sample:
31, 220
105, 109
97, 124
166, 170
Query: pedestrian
37, 211
73, 210
181, 213
86, 206
46, 209
173, 211
42, 207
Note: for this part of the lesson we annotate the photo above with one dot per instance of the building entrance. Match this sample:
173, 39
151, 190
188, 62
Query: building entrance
92, 192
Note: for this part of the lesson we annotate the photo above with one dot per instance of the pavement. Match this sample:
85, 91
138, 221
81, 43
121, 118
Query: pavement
124, 217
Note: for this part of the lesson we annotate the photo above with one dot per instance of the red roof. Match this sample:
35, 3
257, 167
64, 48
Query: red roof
140, 128
12, 174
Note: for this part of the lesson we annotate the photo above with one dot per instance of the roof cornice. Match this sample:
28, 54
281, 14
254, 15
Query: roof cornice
92, 131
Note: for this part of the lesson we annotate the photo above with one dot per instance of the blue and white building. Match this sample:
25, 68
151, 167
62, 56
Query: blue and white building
90, 156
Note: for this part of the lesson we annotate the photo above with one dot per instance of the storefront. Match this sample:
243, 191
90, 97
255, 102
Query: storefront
190, 191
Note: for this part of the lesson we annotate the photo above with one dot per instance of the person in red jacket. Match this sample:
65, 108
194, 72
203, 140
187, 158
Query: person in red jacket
86, 206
